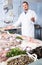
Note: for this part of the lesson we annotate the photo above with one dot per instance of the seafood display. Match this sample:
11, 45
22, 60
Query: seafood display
19, 60
9, 41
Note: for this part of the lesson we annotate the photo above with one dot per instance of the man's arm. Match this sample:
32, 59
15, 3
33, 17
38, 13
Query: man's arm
34, 17
17, 23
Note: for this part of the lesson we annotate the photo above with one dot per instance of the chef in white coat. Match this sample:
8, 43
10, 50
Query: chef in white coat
27, 18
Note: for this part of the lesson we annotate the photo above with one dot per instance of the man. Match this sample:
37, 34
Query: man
27, 19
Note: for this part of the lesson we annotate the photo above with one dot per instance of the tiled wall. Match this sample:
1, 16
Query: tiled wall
17, 9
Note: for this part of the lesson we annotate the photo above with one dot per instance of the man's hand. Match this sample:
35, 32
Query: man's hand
33, 19
8, 27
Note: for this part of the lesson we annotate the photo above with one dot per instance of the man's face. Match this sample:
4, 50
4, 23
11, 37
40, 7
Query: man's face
25, 6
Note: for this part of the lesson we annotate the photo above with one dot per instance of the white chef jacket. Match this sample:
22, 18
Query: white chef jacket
27, 24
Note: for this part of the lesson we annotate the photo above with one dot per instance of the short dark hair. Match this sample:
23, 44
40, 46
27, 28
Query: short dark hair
25, 2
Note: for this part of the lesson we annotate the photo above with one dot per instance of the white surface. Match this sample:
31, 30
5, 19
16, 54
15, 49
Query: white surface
2, 63
29, 45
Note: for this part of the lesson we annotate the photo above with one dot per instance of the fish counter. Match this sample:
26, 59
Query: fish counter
10, 41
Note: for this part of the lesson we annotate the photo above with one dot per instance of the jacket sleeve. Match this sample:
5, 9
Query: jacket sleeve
17, 23
35, 16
